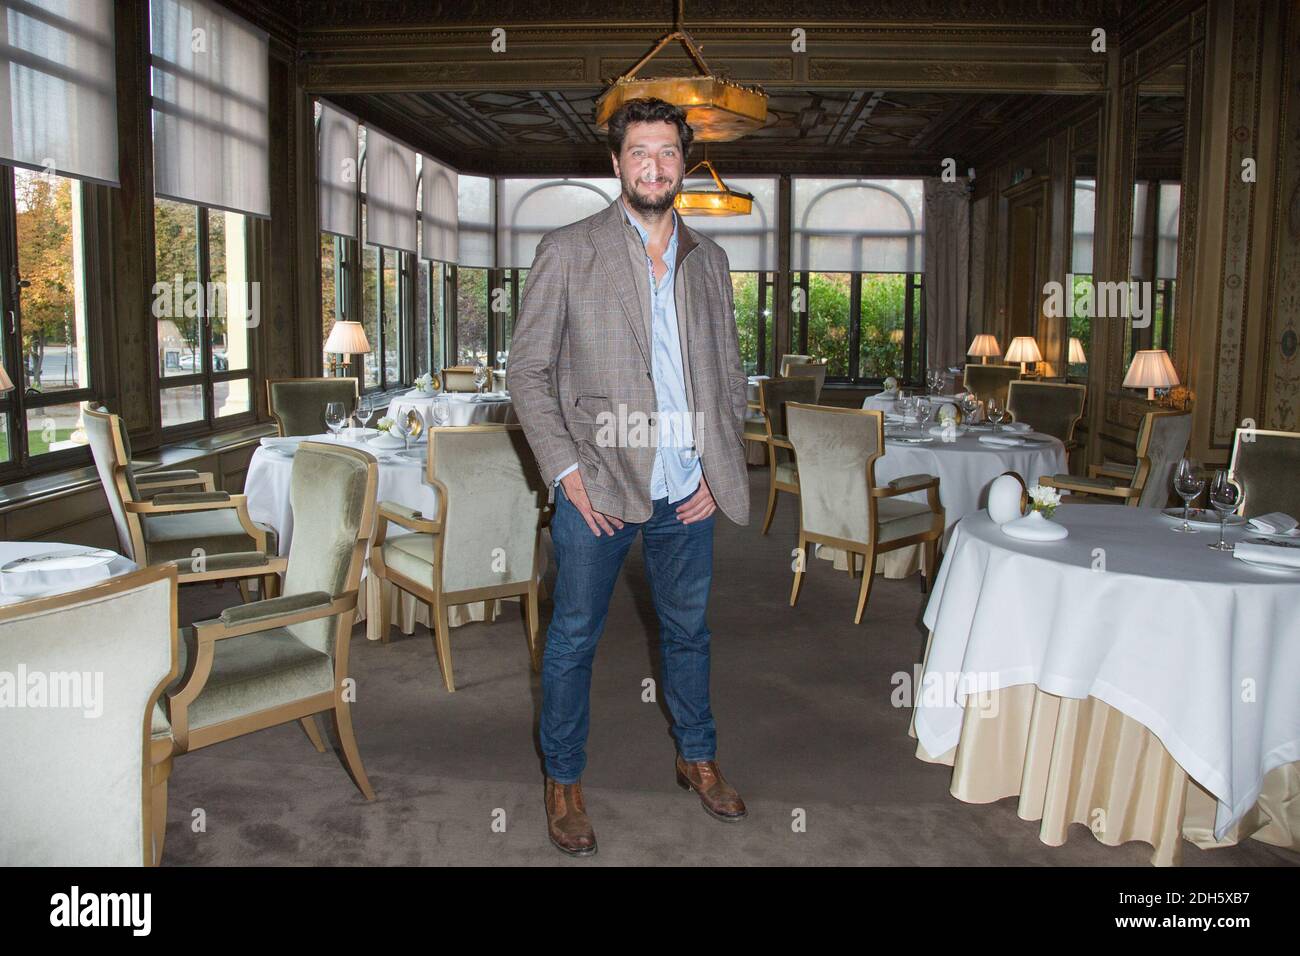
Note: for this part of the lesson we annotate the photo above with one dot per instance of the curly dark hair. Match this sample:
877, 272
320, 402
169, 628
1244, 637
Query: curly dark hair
648, 110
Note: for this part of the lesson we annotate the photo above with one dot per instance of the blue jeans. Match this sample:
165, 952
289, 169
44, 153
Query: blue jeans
679, 565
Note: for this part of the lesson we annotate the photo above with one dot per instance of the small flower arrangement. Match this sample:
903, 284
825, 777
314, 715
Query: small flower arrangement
891, 384
1044, 499
385, 424
425, 382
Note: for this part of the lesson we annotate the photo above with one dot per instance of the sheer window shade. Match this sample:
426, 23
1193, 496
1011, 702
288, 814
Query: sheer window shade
856, 225
58, 90
438, 201
474, 202
1170, 200
530, 208
337, 172
1085, 225
390, 192
210, 91
749, 241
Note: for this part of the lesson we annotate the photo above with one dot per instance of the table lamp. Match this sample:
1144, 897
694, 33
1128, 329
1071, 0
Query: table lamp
984, 346
1077, 354
1151, 369
6, 384
348, 339
1023, 349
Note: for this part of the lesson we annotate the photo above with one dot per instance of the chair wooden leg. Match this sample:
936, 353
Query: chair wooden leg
159, 819
864, 591
531, 624
771, 503
342, 717
381, 591
442, 640
270, 584
313, 732
853, 564
244, 594
801, 563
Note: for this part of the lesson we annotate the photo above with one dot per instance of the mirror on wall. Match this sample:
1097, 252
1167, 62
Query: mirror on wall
1157, 209
1083, 229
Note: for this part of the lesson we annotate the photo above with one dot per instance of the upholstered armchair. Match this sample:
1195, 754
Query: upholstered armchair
1161, 441
813, 370
298, 404
484, 542
840, 504
79, 781
783, 473
459, 378
285, 659
990, 381
206, 534
1051, 408
1266, 467
788, 360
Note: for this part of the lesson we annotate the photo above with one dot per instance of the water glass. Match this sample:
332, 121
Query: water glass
1224, 496
1189, 484
336, 416
480, 375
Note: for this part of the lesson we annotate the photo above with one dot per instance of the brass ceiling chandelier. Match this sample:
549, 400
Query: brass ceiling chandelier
722, 201
717, 109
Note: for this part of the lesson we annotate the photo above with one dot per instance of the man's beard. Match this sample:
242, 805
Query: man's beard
648, 206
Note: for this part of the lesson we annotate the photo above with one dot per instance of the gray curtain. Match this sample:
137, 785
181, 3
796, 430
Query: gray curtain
947, 270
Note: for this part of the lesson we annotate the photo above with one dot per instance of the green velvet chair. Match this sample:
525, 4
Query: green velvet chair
1148, 483
990, 381
79, 780
813, 370
484, 542
840, 504
783, 472
298, 404
168, 528
1049, 407
283, 659
1266, 467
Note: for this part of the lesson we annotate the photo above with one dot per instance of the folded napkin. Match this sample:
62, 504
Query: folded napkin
941, 430
1286, 553
489, 397
1017, 426
1005, 441
1274, 522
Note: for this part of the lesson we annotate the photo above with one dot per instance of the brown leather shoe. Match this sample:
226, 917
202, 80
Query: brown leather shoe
718, 797
566, 819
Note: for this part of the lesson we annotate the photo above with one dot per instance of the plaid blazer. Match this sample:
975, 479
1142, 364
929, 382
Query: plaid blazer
580, 363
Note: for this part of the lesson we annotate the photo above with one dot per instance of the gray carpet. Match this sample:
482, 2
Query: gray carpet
802, 700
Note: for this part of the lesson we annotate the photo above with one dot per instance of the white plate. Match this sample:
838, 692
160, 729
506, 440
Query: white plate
386, 441
1265, 566
1210, 523
58, 561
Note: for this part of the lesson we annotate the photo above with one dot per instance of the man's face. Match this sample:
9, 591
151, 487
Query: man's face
650, 166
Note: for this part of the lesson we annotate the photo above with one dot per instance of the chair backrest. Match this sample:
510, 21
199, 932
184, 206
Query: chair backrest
837, 449
773, 393
108, 447
1266, 466
298, 404
987, 381
332, 489
491, 499
498, 380
459, 378
1162, 440
77, 773
1051, 408
788, 360
814, 370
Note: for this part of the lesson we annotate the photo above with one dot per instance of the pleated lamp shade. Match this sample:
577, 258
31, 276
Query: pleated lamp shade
1077, 354
1151, 369
1023, 349
983, 347
5, 384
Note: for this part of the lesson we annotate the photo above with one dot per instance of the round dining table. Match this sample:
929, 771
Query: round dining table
401, 480
1126, 677
17, 585
462, 408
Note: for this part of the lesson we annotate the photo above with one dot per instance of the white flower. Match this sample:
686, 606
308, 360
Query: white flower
891, 384
384, 423
1045, 497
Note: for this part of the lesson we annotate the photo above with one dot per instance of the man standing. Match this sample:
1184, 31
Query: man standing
628, 322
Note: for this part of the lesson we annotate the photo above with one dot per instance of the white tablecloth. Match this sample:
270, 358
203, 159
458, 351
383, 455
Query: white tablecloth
15, 587
1200, 648
887, 401
462, 408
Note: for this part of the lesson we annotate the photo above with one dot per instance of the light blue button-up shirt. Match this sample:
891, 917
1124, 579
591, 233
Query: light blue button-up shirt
677, 468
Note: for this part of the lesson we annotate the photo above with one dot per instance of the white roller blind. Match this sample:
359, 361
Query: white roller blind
474, 201
390, 192
1085, 225
856, 225
749, 241
337, 172
438, 201
1170, 203
58, 93
530, 208
210, 90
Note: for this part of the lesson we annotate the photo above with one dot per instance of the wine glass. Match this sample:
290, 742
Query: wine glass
1224, 495
924, 411
501, 361
480, 375
1189, 483
363, 411
969, 406
336, 417
438, 413
995, 413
